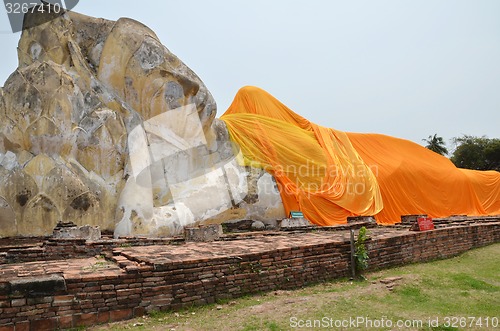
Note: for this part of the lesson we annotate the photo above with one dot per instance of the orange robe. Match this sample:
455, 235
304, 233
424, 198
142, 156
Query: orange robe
329, 174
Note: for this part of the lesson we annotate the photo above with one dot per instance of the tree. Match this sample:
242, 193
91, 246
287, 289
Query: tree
478, 153
436, 144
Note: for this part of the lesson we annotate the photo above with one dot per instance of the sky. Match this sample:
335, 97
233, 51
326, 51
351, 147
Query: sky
403, 68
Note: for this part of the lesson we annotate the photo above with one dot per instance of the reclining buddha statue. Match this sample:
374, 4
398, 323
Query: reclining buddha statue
101, 124
330, 174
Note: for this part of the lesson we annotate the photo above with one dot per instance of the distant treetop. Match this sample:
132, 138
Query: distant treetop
436, 144
478, 153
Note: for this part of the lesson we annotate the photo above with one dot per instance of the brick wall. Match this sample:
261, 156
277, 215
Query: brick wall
411, 247
68, 248
64, 301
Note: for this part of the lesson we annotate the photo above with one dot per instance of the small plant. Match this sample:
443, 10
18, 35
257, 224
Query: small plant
361, 252
99, 264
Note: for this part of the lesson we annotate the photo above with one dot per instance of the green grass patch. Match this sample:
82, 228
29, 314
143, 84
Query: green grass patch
466, 281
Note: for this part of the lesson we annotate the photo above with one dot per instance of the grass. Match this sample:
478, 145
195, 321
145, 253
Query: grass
465, 286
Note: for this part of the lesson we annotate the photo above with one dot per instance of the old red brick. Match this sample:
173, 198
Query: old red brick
18, 302
44, 324
84, 319
65, 322
119, 315
23, 326
139, 311
102, 317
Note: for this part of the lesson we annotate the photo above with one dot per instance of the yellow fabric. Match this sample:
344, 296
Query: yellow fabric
329, 174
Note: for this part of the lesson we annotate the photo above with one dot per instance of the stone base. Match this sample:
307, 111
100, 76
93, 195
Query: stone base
248, 225
458, 217
364, 219
291, 223
92, 233
410, 219
203, 233
160, 271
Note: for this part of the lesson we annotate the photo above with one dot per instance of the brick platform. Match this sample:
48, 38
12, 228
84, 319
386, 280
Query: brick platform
48, 295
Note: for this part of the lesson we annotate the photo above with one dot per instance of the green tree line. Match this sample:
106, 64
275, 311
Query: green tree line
478, 153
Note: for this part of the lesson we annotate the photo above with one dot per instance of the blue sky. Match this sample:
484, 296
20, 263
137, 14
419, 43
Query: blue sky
403, 68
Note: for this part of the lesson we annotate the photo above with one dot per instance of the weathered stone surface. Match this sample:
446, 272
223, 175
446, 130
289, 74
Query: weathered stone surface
291, 223
361, 219
37, 286
204, 233
258, 225
7, 219
410, 219
102, 125
92, 233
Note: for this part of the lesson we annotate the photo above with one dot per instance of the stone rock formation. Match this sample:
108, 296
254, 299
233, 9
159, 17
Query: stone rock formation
102, 125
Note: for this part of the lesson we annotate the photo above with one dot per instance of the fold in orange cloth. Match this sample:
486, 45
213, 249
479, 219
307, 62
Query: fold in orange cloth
329, 174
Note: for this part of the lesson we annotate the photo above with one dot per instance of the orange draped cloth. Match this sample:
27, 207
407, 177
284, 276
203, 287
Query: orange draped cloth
329, 174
